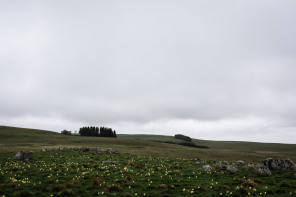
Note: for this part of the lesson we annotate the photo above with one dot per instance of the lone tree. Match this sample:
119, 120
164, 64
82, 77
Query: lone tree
65, 132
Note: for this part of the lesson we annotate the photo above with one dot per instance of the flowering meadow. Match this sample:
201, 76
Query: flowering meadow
69, 173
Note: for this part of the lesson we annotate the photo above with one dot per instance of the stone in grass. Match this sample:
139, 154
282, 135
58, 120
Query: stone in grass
248, 167
97, 151
111, 151
75, 148
262, 169
109, 161
85, 149
240, 162
221, 164
279, 164
198, 161
231, 169
208, 168
24, 155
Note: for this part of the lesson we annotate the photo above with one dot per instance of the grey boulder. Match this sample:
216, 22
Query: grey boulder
221, 164
85, 149
208, 168
262, 169
111, 151
24, 155
231, 169
279, 164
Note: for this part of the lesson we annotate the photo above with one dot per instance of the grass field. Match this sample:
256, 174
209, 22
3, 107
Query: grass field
151, 169
14, 139
68, 173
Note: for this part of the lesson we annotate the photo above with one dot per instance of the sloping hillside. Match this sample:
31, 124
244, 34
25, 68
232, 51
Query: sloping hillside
13, 139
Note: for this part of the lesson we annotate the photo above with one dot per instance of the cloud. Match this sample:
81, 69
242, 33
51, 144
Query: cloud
217, 70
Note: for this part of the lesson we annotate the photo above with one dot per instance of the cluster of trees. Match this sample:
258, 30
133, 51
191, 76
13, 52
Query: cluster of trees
65, 132
183, 137
97, 132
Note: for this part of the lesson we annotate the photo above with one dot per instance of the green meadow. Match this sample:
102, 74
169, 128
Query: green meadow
143, 167
15, 139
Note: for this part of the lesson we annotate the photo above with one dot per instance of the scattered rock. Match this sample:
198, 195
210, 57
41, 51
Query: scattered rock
248, 167
110, 151
240, 162
72, 148
24, 155
198, 161
262, 169
221, 164
208, 168
85, 149
98, 150
232, 168
108, 161
279, 164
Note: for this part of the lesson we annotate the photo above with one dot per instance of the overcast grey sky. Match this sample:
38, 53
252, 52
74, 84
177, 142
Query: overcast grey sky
212, 69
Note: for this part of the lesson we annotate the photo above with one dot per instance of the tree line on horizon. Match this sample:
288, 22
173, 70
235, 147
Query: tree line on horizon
97, 132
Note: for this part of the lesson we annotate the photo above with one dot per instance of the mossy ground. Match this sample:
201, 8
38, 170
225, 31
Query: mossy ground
68, 173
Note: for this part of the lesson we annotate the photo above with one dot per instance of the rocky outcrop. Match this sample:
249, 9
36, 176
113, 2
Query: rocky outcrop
75, 148
221, 165
262, 169
279, 164
111, 151
208, 168
248, 167
240, 162
82, 149
24, 155
97, 151
232, 168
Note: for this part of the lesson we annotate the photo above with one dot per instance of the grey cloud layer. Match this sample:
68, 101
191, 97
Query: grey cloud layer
142, 65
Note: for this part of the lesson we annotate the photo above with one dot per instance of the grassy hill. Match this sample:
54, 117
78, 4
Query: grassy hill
13, 139
151, 169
